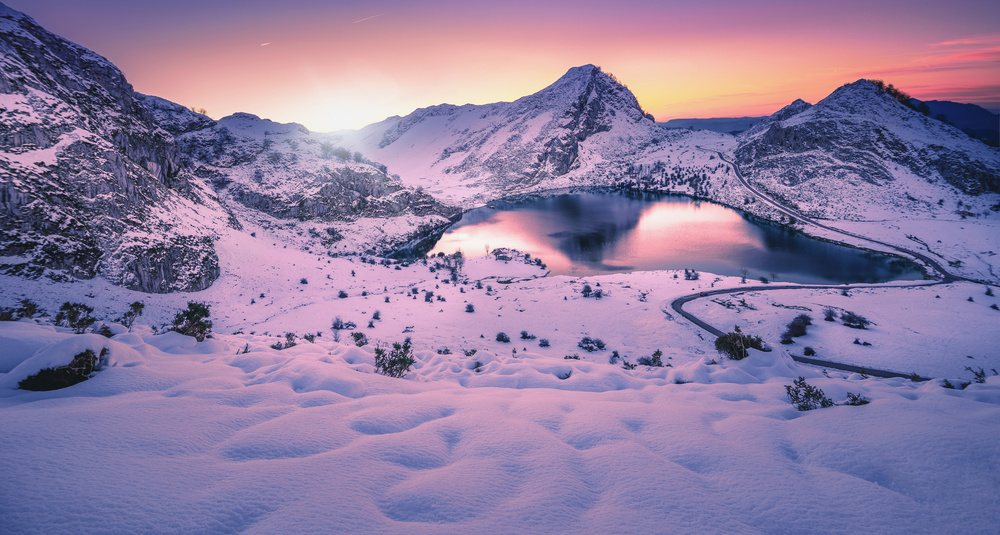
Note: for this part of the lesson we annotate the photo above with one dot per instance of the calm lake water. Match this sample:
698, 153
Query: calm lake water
593, 233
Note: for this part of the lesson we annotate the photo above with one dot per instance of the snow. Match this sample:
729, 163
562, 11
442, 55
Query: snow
309, 439
204, 437
232, 435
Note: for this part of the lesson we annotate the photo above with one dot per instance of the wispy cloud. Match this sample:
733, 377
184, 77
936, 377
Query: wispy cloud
989, 39
367, 18
265, 44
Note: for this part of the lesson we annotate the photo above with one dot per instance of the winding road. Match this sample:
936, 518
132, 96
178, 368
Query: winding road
938, 272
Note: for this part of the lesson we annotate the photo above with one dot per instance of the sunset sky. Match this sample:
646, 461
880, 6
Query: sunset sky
345, 64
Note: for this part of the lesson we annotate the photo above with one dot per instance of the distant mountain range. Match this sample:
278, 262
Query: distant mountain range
96, 179
725, 125
976, 121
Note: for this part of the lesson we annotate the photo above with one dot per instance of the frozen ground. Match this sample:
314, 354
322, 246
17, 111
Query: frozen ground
177, 436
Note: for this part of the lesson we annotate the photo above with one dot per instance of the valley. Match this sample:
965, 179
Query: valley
574, 379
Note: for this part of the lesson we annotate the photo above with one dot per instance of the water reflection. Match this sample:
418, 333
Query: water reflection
590, 233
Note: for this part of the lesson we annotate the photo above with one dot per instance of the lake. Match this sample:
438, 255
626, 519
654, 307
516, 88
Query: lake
593, 233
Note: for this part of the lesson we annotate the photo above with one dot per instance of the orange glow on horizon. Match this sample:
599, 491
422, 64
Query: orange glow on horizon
346, 66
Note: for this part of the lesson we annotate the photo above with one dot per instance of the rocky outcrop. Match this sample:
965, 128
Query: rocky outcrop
82, 163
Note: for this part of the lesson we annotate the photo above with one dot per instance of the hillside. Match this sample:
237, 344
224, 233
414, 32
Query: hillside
860, 154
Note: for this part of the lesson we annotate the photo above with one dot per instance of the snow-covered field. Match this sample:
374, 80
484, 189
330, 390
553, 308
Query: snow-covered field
178, 436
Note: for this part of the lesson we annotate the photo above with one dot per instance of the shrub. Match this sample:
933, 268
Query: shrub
587, 290
526, 336
806, 397
856, 399
194, 321
428, 297
574, 356
341, 325
360, 339
655, 360
311, 338
303, 280
829, 314
543, 342
809, 352
854, 321
377, 315
76, 316
134, 311
598, 293
105, 331
590, 345
342, 294
796, 328
397, 362
470, 308
77, 371
989, 291
469, 352
29, 308
735, 344
502, 337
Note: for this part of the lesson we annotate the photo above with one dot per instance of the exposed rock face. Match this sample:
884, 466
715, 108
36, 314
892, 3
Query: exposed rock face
82, 163
288, 172
859, 141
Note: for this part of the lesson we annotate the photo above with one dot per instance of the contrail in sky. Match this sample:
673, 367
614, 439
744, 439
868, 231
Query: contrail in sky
367, 18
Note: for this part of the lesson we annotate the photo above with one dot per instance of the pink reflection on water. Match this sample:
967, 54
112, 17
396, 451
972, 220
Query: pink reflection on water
662, 234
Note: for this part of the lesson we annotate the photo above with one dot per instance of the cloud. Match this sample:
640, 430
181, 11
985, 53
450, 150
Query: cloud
264, 44
990, 39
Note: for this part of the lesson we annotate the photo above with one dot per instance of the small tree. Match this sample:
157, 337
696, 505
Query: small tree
806, 397
502, 337
194, 321
735, 344
587, 290
134, 311
76, 316
397, 362
470, 308
360, 339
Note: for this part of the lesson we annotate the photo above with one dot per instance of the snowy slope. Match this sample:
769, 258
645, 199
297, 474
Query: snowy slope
860, 154
576, 131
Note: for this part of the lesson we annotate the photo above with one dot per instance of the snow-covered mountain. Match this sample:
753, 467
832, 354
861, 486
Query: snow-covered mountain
577, 130
98, 179
859, 153
88, 182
